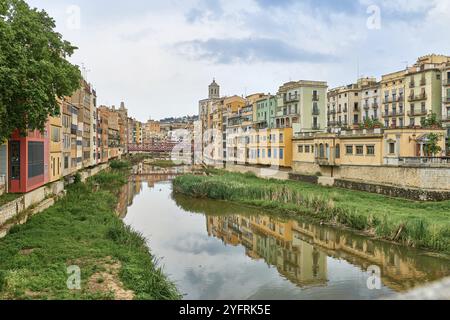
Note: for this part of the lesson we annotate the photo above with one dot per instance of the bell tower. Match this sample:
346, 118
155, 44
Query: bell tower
214, 90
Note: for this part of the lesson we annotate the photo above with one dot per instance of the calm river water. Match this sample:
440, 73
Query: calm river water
217, 250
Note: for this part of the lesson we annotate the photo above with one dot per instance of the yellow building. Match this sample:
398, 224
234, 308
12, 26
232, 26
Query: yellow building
270, 147
394, 99
326, 152
56, 147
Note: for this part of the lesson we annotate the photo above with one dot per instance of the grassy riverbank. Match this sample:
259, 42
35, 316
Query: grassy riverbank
417, 224
81, 230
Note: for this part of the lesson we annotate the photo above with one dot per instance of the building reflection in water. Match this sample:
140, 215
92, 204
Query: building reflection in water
299, 250
274, 242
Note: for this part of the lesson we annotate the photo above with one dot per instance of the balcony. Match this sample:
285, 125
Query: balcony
315, 97
400, 98
292, 98
412, 84
325, 162
422, 96
332, 123
414, 113
366, 106
423, 82
375, 105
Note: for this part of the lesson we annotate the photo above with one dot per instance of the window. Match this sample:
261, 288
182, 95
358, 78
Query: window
14, 146
370, 150
281, 138
307, 148
56, 134
35, 159
269, 153
281, 153
349, 149
338, 151
300, 149
392, 148
359, 150
66, 162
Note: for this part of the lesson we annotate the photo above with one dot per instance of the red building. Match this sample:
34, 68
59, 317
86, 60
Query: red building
28, 161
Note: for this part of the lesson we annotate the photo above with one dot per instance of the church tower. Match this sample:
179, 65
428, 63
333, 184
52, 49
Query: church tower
214, 90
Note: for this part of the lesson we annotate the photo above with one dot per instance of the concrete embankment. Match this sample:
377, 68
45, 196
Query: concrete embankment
36, 201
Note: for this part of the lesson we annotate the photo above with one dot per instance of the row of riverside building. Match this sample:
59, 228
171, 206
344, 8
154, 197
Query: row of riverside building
81, 136
314, 130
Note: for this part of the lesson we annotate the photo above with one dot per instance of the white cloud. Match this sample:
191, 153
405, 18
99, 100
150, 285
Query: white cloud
129, 47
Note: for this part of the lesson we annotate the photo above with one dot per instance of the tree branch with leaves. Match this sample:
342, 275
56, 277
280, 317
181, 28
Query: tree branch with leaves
34, 70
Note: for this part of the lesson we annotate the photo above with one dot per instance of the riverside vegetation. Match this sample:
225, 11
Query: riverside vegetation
416, 224
83, 230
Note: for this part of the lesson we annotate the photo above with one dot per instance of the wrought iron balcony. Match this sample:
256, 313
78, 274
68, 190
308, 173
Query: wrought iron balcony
413, 113
422, 96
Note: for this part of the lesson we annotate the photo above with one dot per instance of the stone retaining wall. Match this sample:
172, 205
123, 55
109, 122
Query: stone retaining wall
394, 191
40, 199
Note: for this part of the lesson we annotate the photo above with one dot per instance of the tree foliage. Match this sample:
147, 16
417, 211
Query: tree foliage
432, 146
34, 70
431, 121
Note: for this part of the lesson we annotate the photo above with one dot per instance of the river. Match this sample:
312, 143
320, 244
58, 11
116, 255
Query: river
217, 250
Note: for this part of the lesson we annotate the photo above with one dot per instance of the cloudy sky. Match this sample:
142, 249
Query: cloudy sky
160, 56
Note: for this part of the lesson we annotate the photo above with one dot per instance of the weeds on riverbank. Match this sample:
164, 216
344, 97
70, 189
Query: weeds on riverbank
163, 163
416, 224
81, 230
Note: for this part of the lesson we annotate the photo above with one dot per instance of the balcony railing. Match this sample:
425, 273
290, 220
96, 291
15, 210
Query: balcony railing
421, 96
315, 126
315, 97
413, 113
366, 106
412, 84
292, 98
423, 82
375, 105
445, 161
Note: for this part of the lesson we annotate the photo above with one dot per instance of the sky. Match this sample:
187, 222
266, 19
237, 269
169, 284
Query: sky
160, 56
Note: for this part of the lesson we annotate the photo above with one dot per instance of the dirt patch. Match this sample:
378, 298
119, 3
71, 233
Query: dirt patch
26, 252
107, 280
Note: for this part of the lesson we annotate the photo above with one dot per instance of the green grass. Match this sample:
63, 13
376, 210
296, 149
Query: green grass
163, 163
417, 224
82, 229
8, 197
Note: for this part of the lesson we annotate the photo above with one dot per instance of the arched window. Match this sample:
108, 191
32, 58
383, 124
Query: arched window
321, 151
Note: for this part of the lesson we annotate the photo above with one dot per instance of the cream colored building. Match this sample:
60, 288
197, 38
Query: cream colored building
344, 107
370, 98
